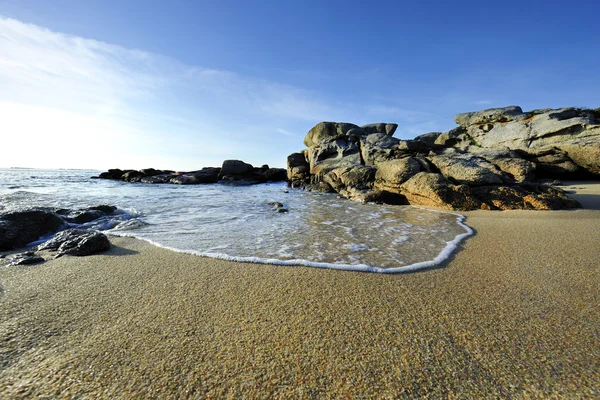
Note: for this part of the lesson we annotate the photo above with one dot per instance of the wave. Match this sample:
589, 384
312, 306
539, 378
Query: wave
443, 255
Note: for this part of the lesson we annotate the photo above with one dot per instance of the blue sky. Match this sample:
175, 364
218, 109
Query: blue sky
183, 84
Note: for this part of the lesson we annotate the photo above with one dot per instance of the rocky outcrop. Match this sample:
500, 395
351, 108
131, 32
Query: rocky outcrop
494, 159
232, 171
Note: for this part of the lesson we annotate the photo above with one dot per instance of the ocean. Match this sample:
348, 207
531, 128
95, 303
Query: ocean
237, 223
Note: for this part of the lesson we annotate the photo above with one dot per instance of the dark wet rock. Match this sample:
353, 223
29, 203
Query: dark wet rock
77, 242
235, 168
157, 179
81, 217
150, 171
112, 174
275, 204
282, 209
132, 176
297, 167
87, 215
104, 208
25, 259
275, 174
19, 228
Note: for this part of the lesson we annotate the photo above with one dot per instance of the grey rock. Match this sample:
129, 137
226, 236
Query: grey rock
380, 127
491, 115
336, 154
466, 168
391, 174
379, 147
77, 242
325, 132
508, 161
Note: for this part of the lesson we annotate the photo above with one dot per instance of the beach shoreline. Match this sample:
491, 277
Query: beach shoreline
513, 312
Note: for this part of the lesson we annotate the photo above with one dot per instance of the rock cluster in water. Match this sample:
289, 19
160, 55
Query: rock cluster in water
500, 158
17, 229
232, 171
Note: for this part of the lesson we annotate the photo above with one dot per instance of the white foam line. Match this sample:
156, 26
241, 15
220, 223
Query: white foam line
442, 256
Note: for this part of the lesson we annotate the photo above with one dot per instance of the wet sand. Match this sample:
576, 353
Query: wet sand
513, 313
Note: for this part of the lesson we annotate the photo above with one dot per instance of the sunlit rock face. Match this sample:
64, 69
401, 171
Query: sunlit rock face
495, 159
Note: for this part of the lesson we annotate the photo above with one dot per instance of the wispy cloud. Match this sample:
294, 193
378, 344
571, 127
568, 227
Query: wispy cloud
137, 108
285, 133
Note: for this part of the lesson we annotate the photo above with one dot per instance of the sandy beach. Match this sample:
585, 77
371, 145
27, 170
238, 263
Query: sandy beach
514, 313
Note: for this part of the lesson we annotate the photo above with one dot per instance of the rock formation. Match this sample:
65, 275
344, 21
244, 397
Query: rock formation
232, 171
495, 159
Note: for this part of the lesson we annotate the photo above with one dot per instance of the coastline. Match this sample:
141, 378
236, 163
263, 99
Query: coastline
512, 313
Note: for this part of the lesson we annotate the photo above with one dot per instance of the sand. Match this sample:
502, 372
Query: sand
514, 313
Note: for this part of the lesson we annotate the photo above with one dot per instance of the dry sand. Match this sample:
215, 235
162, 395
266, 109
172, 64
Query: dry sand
513, 314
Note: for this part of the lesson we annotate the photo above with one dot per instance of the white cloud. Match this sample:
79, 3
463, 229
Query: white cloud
285, 133
67, 101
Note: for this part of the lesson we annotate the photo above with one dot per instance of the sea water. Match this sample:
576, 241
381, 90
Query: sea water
237, 223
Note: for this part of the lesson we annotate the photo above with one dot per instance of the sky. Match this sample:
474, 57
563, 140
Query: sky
184, 84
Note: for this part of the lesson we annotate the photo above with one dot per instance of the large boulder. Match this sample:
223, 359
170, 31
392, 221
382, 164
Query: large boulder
335, 154
275, 174
20, 228
325, 132
348, 180
393, 173
380, 127
77, 242
507, 161
466, 168
433, 190
524, 197
297, 168
491, 115
205, 175
379, 147
235, 167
